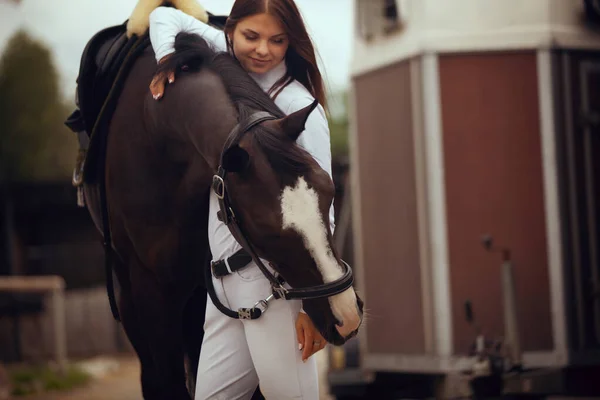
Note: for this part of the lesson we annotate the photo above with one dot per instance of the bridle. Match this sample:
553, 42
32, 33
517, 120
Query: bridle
228, 216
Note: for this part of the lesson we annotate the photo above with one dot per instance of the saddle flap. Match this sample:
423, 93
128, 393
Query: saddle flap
97, 71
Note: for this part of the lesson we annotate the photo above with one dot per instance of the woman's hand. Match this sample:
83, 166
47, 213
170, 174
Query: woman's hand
310, 340
157, 86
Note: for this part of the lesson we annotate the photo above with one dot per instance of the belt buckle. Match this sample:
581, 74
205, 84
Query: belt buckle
212, 269
219, 186
280, 292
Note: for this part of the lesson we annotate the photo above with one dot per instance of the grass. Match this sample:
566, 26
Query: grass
27, 380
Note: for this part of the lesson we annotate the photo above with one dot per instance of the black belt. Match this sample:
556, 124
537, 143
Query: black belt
237, 261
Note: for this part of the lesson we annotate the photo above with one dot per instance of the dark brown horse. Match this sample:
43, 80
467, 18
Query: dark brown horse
161, 159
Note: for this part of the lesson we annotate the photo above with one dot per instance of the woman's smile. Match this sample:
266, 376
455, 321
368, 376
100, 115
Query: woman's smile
259, 61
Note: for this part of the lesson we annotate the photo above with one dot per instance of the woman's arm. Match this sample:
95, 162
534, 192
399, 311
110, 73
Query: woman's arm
167, 22
316, 140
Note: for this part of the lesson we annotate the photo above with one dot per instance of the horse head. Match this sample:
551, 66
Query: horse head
282, 197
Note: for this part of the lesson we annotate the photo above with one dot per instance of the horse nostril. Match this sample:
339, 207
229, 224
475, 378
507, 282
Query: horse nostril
340, 324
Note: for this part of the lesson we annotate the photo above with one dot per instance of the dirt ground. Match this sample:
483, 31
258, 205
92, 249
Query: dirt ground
121, 382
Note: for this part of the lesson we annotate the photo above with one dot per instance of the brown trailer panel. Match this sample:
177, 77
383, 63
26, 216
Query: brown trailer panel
388, 208
494, 184
476, 143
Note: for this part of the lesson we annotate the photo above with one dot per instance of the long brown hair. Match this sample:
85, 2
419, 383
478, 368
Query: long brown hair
300, 58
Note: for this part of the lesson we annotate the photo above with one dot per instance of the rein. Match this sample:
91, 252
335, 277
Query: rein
228, 216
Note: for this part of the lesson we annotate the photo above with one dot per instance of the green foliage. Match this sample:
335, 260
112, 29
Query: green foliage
338, 125
338, 129
34, 143
37, 379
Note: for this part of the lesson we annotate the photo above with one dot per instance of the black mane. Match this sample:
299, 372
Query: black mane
193, 53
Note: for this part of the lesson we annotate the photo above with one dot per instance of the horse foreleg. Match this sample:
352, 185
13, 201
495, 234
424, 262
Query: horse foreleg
158, 313
139, 342
193, 333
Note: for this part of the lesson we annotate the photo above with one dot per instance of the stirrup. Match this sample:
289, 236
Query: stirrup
77, 179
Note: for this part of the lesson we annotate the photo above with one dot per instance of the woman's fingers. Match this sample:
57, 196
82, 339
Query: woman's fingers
157, 86
318, 342
308, 344
321, 345
309, 338
300, 333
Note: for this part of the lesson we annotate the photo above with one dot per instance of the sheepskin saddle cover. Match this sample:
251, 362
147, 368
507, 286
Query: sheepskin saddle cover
139, 20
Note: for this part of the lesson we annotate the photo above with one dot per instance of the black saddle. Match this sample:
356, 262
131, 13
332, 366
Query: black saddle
101, 60
100, 63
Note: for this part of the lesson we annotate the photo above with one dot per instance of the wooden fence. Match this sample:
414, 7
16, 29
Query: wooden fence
90, 329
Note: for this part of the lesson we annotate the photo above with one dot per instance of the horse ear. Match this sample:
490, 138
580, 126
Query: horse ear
235, 159
293, 124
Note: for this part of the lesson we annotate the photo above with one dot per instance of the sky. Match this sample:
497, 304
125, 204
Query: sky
65, 26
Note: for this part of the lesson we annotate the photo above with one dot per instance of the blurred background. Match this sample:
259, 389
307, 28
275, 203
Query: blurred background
465, 142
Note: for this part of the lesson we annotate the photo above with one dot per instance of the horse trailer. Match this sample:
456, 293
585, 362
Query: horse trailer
475, 178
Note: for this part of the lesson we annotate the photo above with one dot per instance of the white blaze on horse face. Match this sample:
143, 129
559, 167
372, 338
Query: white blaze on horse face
300, 210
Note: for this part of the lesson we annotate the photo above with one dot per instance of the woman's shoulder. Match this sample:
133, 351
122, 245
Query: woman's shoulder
187, 22
162, 13
294, 97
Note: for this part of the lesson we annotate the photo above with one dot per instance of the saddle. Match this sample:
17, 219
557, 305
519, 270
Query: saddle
101, 61
104, 65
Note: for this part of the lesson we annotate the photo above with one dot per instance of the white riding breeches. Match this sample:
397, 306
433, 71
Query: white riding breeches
237, 355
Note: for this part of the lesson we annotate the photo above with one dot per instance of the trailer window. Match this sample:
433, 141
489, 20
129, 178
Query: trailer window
379, 17
391, 16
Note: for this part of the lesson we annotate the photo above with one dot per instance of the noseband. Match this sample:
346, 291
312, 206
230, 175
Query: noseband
228, 216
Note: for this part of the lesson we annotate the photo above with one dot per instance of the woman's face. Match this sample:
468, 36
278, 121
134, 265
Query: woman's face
259, 43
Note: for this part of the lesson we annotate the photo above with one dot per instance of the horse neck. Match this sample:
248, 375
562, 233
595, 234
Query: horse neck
213, 143
203, 114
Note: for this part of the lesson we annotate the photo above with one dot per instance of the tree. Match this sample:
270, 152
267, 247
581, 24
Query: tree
338, 128
338, 125
34, 143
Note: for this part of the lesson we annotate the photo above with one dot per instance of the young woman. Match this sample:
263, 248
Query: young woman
270, 41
